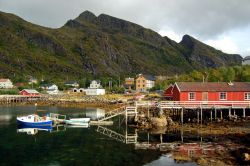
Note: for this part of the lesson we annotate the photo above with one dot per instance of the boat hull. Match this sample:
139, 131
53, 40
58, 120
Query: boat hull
34, 124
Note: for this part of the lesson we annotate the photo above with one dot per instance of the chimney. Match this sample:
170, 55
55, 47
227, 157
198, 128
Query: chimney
230, 83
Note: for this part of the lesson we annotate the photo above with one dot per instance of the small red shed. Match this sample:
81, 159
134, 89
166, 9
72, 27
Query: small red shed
211, 91
168, 93
29, 92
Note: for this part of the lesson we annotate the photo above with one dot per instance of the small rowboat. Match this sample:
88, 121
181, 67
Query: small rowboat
78, 121
34, 121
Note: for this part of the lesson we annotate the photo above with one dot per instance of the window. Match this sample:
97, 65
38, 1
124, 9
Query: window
247, 96
191, 96
223, 96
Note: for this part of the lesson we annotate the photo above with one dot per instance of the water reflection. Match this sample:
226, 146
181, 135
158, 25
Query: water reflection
33, 131
95, 113
112, 145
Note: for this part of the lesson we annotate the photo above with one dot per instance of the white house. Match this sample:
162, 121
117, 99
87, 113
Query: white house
246, 60
95, 84
52, 89
6, 83
95, 88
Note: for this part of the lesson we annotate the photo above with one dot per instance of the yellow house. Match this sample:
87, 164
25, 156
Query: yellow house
144, 82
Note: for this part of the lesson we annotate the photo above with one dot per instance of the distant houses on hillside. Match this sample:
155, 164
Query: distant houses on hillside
74, 84
246, 60
142, 83
5, 83
29, 92
95, 88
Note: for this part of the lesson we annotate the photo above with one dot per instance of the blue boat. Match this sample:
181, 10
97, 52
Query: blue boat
34, 121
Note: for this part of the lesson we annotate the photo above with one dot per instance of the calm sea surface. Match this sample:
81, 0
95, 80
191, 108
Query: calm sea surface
106, 145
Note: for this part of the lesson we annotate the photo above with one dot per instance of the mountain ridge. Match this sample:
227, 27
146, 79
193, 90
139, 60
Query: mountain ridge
101, 45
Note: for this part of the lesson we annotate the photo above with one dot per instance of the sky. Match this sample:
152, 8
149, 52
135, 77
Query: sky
223, 24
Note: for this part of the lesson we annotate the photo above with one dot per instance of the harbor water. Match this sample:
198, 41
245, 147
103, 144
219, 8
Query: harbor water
108, 145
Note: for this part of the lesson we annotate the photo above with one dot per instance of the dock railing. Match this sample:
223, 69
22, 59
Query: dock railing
204, 104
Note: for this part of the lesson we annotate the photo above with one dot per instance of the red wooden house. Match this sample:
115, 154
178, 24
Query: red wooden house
168, 93
29, 92
210, 91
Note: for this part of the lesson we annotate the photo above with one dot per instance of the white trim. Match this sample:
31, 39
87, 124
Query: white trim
189, 96
245, 94
177, 86
220, 95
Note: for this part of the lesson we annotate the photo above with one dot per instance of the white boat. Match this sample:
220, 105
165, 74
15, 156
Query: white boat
82, 120
75, 125
78, 121
34, 121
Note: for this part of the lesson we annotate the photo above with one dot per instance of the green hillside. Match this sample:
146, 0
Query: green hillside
98, 46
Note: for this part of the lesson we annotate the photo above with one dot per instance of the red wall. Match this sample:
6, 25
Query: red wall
214, 96
24, 93
176, 94
168, 92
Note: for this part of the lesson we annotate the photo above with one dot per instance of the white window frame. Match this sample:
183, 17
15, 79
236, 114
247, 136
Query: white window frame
225, 95
189, 96
247, 96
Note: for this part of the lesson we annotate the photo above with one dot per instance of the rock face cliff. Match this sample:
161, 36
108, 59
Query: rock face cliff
103, 45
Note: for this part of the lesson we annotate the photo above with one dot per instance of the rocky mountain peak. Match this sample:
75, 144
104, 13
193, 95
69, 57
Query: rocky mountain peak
86, 16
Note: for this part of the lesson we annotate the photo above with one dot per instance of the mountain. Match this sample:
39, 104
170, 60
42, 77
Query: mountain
99, 46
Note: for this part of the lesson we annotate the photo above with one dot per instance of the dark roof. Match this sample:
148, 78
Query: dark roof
246, 58
70, 82
149, 77
213, 86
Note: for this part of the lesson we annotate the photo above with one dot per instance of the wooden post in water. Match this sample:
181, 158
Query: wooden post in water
182, 115
211, 115
221, 116
201, 115
215, 113
244, 112
229, 113
198, 116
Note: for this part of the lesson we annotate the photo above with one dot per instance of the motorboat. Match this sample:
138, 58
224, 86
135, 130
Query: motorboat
34, 121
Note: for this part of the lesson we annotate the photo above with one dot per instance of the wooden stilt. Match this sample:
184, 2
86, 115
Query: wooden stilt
211, 115
244, 112
198, 116
229, 113
215, 113
201, 115
182, 116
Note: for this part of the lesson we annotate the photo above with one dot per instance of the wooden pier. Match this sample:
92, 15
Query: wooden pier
8, 99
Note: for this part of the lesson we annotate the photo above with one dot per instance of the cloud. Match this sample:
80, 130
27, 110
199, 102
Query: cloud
203, 19
171, 34
224, 43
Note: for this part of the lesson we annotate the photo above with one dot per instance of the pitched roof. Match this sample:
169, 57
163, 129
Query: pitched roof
246, 58
4, 80
70, 82
149, 77
30, 90
214, 86
129, 79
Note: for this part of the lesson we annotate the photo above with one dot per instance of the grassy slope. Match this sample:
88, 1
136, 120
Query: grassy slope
87, 49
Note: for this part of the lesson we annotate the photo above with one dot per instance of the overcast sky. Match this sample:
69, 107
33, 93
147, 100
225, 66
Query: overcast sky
224, 24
